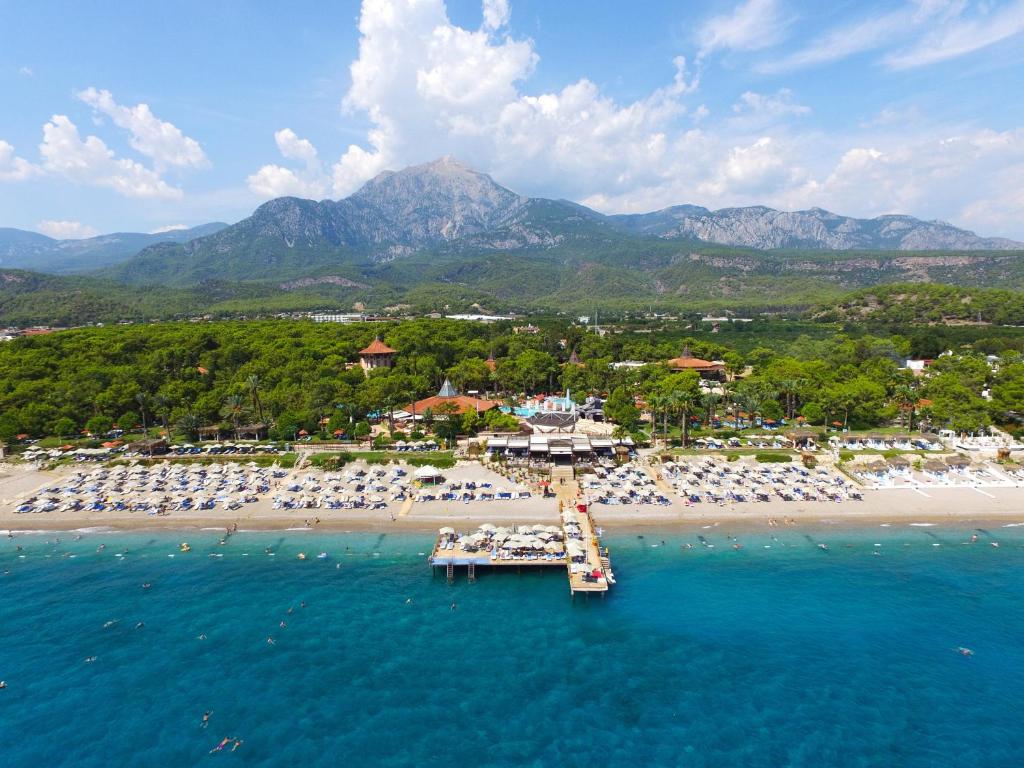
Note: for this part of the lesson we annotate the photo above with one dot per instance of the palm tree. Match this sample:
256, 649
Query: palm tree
189, 425
140, 398
709, 400
162, 406
788, 388
906, 399
684, 403
749, 402
658, 402
254, 392
233, 408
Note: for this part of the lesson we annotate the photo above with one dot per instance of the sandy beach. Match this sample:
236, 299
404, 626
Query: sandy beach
948, 506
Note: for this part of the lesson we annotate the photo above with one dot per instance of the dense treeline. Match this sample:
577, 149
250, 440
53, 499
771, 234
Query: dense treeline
296, 375
927, 303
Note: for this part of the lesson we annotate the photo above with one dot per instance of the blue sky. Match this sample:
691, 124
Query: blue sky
144, 116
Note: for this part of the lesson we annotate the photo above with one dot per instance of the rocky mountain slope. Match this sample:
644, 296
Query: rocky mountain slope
444, 207
20, 249
766, 228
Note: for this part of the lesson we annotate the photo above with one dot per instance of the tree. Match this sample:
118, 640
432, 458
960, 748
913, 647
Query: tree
621, 409
64, 427
253, 382
234, 409
709, 401
140, 398
188, 425
98, 425
162, 407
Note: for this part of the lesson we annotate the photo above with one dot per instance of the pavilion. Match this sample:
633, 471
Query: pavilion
706, 369
449, 399
376, 355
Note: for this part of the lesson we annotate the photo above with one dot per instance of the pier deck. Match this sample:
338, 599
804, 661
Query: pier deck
581, 575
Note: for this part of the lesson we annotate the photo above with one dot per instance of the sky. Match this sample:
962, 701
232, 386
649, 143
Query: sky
150, 116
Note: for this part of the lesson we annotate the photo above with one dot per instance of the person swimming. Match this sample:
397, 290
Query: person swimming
223, 743
283, 625
454, 606
238, 743
201, 636
140, 625
206, 718
270, 640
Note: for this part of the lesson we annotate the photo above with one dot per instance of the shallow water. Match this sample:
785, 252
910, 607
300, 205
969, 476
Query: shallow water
710, 656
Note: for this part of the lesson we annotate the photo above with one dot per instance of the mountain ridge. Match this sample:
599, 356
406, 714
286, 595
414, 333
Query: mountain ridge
23, 249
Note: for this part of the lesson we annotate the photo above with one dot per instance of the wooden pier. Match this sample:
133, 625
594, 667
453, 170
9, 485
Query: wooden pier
594, 574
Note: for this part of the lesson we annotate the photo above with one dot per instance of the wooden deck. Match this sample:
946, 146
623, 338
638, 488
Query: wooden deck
579, 574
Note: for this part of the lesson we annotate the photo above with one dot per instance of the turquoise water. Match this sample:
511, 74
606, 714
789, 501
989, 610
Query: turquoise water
789, 656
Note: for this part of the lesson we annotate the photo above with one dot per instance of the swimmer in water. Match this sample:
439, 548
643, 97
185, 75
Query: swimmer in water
140, 625
454, 606
302, 604
238, 743
147, 585
90, 659
283, 625
270, 640
3, 684
206, 718
408, 600
223, 743
290, 610
202, 636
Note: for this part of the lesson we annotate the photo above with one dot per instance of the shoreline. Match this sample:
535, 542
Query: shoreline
614, 526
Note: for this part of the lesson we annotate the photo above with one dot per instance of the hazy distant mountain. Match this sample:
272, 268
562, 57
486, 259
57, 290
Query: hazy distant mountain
30, 250
766, 228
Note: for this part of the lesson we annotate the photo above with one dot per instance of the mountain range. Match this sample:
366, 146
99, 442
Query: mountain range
443, 206
20, 249
441, 235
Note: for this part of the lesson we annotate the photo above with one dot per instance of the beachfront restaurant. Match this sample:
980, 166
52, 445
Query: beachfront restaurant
557, 449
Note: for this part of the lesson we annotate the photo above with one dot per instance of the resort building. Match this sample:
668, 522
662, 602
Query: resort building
707, 369
448, 399
377, 355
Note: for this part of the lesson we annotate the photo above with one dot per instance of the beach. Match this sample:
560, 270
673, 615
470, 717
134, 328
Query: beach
892, 505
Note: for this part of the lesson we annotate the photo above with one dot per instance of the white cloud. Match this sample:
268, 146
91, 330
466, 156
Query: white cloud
496, 13
26, 71
958, 36
90, 161
430, 88
766, 108
279, 181
844, 41
751, 26
924, 31
66, 230
168, 228
12, 167
150, 136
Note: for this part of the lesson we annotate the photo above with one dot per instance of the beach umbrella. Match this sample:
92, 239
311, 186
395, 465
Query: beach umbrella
447, 531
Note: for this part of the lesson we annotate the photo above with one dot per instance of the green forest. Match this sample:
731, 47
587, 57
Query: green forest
299, 375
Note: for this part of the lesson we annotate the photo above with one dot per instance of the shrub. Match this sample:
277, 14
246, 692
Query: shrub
773, 458
732, 457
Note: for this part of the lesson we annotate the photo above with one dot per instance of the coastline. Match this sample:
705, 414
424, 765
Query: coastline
959, 507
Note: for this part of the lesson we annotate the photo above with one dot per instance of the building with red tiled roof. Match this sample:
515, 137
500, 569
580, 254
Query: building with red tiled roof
448, 397
707, 369
376, 355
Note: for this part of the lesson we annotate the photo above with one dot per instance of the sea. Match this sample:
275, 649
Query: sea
889, 646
